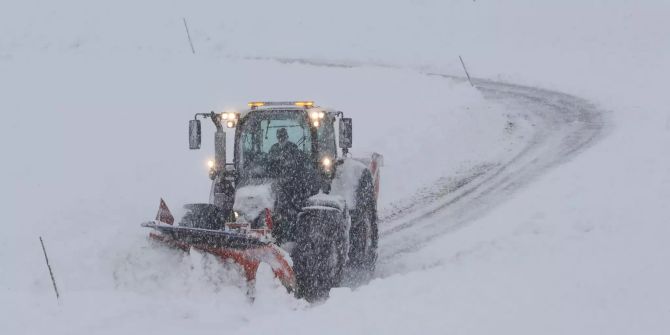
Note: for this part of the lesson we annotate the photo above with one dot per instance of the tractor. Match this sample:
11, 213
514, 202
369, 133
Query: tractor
292, 197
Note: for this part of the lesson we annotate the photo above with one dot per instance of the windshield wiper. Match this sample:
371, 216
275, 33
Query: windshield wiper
301, 141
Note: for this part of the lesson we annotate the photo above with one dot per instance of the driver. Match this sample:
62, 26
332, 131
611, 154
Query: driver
284, 155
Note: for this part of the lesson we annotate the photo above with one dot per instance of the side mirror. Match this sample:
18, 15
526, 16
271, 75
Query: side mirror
194, 134
346, 132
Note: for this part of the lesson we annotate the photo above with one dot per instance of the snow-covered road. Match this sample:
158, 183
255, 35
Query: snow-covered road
560, 126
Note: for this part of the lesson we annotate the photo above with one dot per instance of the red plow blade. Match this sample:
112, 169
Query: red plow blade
246, 251
246, 247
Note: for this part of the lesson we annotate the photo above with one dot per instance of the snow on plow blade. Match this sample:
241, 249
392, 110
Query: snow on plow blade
247, 248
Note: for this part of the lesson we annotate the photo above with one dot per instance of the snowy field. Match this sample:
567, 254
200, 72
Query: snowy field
506, 209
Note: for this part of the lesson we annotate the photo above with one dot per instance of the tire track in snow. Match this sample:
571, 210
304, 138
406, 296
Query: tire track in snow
565, 125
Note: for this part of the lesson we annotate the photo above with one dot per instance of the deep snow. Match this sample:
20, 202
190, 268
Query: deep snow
95, 107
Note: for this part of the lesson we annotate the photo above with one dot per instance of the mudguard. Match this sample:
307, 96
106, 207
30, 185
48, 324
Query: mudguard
349, 173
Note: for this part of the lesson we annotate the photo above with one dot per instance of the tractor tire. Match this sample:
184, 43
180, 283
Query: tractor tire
319, 254
363, 234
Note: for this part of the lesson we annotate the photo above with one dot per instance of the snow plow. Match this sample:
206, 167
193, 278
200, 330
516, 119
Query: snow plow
292, 197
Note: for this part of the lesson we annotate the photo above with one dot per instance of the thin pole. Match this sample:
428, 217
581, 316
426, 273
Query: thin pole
49, 266
466, 70
188, 34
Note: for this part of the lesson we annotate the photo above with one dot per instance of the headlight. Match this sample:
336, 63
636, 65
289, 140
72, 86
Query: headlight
232, 116
327, 163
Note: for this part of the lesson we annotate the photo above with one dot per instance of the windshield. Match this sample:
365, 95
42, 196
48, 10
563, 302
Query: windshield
260, 134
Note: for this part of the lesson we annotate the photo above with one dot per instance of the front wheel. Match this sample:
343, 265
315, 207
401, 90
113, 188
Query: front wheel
318, 257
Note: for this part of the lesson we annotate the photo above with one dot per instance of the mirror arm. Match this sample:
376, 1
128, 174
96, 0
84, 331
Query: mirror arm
215, 119
204, 115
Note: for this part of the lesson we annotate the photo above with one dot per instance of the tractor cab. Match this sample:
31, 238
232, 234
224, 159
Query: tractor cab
294, 147
276, 140
320, 135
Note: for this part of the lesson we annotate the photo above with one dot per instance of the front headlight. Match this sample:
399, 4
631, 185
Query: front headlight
212, 170
327, 164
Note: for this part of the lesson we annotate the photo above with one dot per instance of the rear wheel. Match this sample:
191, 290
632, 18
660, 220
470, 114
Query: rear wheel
364, 232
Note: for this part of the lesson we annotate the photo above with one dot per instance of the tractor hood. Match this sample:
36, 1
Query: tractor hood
251, 200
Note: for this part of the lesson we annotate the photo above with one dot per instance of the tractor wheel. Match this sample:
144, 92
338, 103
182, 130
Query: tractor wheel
318, 257
364, 233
